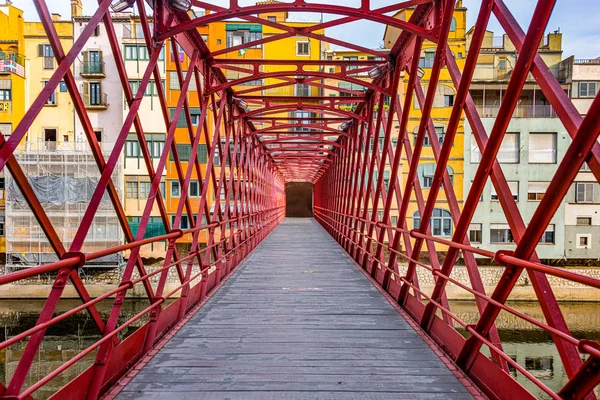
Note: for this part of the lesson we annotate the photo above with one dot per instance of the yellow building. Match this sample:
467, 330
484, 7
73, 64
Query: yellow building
12, 84
53, 129
441, 222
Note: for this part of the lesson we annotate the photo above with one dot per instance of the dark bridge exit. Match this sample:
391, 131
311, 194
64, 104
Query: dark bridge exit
298, 203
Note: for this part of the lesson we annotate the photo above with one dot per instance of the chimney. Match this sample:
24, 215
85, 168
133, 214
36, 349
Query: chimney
76, 8
55, 17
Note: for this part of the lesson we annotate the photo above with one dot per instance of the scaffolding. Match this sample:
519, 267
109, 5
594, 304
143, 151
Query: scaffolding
64, 176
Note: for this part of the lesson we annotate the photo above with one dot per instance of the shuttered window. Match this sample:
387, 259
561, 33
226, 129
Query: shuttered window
542, 148
536, 190
514, 189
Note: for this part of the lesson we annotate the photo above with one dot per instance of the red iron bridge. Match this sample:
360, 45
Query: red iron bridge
322, 307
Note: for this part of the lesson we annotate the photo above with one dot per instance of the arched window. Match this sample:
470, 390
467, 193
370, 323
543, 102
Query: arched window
453, 25
440, 224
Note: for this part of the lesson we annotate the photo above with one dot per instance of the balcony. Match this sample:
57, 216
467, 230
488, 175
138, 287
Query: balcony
95, 101
12, 63
521, 111
92, 69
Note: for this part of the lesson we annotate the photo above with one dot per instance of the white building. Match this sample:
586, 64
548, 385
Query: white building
582, 210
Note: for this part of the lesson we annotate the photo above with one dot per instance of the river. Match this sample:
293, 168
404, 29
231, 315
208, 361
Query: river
529, 346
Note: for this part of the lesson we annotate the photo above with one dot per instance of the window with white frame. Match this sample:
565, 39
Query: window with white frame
584, 192
303, 48
175, 189
475, 232
585, 167
302, 89
508, 153
514, 190
548, 236
536, 190
501, 233
440, 223
588, 89
542, 148
194, 189
584, 241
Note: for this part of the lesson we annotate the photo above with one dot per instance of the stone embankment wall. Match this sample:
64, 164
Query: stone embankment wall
100, 281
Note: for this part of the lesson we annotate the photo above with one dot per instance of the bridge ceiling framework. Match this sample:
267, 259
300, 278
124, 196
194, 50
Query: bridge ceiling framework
256, 143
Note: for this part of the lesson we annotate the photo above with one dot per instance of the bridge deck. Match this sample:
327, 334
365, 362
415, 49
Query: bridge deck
297, 320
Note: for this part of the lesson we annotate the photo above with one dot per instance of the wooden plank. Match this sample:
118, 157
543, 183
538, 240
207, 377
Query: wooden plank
297, 320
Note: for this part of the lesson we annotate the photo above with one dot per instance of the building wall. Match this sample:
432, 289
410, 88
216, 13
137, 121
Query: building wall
490, 212
108, 120
440, 113
59, 116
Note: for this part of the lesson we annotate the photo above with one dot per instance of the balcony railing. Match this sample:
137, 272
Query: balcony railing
59, 147
12, 63
587, 61
99, 101
521, 111
92, 68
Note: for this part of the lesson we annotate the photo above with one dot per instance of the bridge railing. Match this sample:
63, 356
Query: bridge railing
392, 279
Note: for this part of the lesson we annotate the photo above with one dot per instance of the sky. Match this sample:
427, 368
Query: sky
578, 20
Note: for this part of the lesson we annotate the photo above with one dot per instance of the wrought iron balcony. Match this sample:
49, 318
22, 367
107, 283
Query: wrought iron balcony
95, 101
92, 69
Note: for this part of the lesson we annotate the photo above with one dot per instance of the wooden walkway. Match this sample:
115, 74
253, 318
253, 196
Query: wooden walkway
297, 321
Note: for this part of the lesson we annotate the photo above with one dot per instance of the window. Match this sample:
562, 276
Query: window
131, 189
508, 153
514, 190
63, 87
52, 99
5, 94
584, 241
584, 192
475, 233
194, 190
98, 136
272, 18
95, 93
238, 34
500, 233
202, 154
394, 220
302, 48
440, 224
584, 221
536, 190
138, 52
440, 134
502, 64
1, 226
2, 183
144, 190
585, 167
453, 25
175, 189
542, 148
96, 32
301, 89
184, 222
425, 173
448, 100
587, 89
45, 50
426, 61
548, 236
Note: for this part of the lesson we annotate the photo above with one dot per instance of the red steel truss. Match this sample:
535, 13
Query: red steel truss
261, 145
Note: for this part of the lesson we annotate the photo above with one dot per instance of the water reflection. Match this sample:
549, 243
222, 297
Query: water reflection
533, 348
62, 341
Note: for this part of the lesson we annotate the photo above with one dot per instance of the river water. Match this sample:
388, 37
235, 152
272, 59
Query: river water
529, 346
